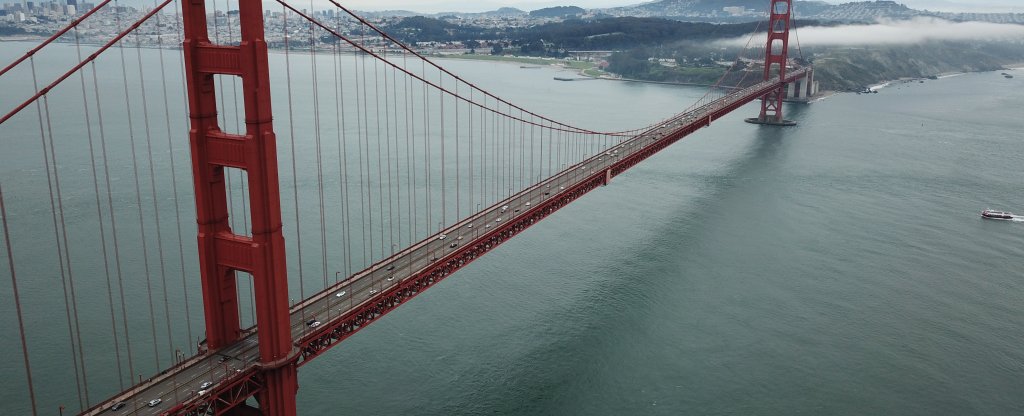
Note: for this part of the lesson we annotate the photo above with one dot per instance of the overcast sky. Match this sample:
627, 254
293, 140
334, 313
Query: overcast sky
433, 6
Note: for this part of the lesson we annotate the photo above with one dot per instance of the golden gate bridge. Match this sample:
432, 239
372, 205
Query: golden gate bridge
418, 172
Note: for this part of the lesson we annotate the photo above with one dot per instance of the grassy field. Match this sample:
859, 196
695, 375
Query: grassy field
519, 59
571, 64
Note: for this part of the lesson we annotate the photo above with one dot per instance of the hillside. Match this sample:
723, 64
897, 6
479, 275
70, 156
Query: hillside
844, 69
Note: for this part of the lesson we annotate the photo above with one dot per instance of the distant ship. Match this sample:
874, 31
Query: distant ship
996, 215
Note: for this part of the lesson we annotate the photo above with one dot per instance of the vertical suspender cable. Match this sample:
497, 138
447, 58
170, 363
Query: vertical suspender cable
174, 179
426, 149
522, 154
483, 155
67, 246
397, 172
469, 138
17, 302
295, 177
380, 153
550, 140
502, 125
510, 136
113, 222
441, 142
410, 163
152, 184
458, 200
138, 203
339, 94
99, 216
319, 155
57, 237
495, 156
366, 153
362, 175
387, 155
533, 153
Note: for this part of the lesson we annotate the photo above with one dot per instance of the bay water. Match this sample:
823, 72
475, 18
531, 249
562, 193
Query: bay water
836, 267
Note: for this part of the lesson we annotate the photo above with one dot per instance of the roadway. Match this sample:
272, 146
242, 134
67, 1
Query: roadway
183, 382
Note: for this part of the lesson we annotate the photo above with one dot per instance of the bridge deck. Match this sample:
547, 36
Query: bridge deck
347, 306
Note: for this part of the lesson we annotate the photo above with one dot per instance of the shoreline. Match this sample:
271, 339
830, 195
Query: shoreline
561, 63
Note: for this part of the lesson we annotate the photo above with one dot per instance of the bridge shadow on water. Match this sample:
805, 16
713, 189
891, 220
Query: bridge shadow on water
610, 319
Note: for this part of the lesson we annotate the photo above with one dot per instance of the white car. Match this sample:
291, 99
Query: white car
154, 402
313, 323
339, 294
441, 237
205, 385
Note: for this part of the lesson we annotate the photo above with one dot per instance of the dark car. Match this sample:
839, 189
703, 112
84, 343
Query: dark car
118, 406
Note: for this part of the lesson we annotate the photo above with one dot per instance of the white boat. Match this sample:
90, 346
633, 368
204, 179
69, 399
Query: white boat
996, 215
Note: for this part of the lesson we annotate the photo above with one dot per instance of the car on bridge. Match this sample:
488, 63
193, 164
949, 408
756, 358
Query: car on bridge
154, 402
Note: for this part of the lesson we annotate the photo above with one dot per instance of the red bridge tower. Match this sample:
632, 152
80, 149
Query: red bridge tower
222, 252
775, 55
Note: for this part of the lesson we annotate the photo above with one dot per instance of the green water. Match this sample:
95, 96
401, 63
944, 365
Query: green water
838, 267
835, 267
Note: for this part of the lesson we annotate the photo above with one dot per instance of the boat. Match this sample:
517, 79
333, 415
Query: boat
996, 215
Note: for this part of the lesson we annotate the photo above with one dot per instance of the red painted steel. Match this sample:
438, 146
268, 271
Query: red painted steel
233, 391
332, 332
775, 56
221, 251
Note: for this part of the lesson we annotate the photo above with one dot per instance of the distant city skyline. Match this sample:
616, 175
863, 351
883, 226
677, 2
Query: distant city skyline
436, 6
